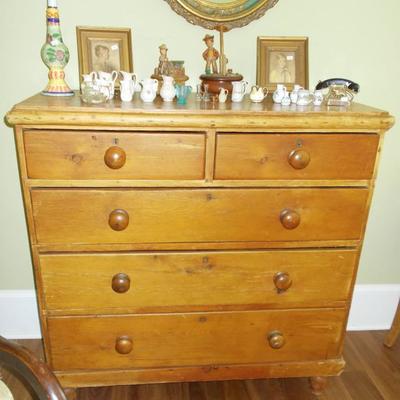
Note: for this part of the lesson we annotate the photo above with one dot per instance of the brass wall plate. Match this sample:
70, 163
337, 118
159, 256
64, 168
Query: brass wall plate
212, 14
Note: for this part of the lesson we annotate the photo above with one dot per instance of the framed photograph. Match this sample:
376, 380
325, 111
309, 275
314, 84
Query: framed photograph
104, 49
282, 60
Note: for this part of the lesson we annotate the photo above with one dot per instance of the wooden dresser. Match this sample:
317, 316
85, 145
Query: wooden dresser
199, 242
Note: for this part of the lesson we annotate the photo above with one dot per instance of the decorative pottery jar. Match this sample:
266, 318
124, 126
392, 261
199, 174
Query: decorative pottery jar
55, 54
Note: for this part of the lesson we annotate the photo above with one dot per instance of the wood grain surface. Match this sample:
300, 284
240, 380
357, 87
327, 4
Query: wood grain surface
372, 373
192, 339
81, 155
161, 282
45, 111
267, 156
157, 216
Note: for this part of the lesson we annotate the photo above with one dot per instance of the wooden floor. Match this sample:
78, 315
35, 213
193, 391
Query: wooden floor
372, 372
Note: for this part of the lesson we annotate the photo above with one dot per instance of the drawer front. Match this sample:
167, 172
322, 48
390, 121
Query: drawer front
194, 339
293, 156
155, 282
182, 216
114, 155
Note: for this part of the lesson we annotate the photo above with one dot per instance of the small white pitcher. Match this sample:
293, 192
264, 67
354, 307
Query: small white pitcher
295, 93
149, 92
128, 84
238, 91
318, 97
109, 80
223, 95
258, 94
168, 90
88, 79
279, 93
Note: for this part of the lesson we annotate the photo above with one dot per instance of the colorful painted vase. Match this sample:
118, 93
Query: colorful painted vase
55, 54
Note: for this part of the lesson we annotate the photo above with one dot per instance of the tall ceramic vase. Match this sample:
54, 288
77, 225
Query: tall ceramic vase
55, 54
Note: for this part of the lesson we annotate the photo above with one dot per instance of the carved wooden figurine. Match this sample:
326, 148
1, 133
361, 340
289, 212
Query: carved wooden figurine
163, 66
210, 55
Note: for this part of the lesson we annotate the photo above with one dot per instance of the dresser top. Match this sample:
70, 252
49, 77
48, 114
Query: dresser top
43, 110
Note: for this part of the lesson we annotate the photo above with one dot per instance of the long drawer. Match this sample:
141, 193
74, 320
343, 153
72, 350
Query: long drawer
295, 156
172, 216
114, 155
194, 339
157, 282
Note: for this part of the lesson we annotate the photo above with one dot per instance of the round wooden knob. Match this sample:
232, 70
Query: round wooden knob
299, 158
124, 345
120, 283
115, 157
282, 281
290, 219
276, 340
118, 220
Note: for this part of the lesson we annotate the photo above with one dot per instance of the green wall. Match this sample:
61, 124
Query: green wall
358, 39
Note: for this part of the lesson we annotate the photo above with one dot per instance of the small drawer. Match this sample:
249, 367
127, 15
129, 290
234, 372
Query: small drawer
295, 156
188, 216
157, 340
195, 281
114, 155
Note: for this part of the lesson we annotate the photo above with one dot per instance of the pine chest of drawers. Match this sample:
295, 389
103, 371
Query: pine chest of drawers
195, 243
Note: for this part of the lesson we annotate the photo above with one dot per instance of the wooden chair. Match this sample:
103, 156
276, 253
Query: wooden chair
394, 332
36, 373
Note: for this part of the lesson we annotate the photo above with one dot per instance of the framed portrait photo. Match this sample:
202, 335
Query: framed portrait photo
282, 60
104, 49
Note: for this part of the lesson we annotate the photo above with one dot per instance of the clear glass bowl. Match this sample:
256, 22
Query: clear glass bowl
93, 94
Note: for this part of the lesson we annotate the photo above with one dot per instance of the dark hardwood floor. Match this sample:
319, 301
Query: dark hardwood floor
372, 373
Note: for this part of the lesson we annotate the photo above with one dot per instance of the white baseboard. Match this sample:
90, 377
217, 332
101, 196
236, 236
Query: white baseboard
373, 308
19, 317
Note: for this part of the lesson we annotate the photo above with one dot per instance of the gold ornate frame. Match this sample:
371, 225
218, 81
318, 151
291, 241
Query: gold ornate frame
218, 15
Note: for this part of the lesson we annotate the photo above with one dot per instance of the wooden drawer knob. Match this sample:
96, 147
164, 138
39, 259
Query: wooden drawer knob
124, 345
120, 283
282, 281
115, 157
118, 220
276, 340
290, 219
299, 158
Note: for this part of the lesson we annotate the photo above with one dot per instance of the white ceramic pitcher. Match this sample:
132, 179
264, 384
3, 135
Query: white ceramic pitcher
168, 90
149, 92
108, 79
128, 84
239, 90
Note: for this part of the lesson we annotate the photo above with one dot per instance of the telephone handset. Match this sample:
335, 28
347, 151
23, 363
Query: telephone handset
355, 87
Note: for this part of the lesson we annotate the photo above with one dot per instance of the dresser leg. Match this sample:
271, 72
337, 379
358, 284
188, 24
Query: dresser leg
394, 332
318, 384
71, 393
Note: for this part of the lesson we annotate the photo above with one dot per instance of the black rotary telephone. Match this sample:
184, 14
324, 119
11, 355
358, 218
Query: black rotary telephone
355, 87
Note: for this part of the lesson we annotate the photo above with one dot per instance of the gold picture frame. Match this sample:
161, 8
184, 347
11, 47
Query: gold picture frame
104, 49
282, 60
